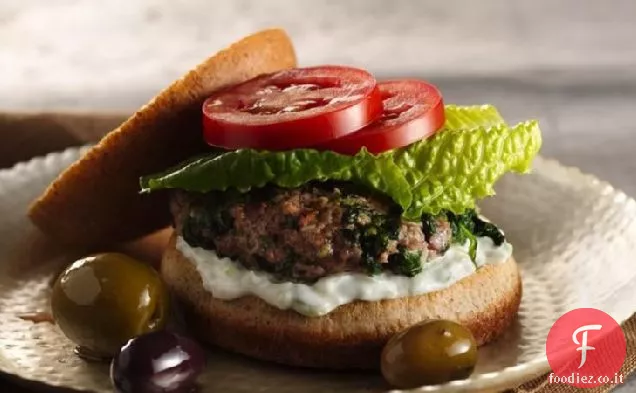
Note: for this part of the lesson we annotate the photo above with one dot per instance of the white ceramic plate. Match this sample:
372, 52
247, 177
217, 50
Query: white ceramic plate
574, 238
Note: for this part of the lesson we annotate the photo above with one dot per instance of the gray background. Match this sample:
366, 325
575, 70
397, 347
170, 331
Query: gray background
571, 63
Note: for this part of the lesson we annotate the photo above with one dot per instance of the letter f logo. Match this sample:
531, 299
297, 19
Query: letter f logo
584, 347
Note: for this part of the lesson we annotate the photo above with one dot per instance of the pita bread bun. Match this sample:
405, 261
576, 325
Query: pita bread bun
96, 201
350, 337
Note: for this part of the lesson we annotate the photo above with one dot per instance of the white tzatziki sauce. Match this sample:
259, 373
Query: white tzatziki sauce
227, 279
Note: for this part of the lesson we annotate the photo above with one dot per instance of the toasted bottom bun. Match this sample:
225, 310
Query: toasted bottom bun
350, 337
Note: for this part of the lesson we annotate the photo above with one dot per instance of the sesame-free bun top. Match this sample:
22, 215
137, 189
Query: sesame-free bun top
96, 201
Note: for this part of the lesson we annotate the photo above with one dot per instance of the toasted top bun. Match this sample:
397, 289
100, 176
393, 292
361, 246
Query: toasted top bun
96, 201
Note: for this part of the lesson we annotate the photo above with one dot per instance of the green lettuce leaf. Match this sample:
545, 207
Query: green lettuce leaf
246, 169
446, 172
457, 167
471, 116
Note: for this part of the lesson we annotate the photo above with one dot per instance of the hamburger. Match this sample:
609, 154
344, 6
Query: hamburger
316, 211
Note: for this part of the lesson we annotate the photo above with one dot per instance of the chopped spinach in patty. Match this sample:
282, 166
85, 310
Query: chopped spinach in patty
322, 229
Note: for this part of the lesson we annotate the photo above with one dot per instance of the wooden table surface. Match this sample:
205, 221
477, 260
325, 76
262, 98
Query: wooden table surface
571, 64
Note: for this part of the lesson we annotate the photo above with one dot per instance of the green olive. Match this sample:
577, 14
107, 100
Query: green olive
102, 301
429, 353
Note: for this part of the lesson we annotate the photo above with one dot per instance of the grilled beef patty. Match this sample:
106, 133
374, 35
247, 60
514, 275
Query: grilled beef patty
307, 233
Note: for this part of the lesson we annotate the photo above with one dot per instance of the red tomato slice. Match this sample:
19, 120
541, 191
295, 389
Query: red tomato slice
413, 110
294, 108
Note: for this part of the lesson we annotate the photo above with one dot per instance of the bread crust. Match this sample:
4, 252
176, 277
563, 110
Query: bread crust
96, 201
350, 337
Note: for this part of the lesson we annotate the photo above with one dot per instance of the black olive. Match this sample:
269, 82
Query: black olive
157, 362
